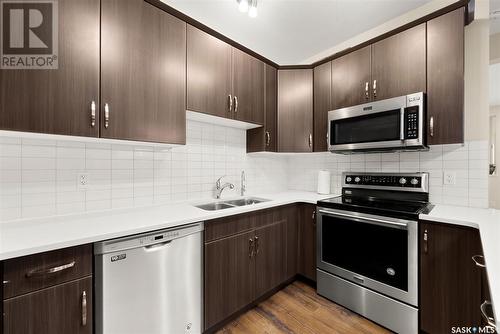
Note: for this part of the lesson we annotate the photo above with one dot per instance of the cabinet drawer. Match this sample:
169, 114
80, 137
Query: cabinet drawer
64, 309
38, 271
227, 226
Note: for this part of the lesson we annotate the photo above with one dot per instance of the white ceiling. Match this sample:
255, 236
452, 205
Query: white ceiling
291, 31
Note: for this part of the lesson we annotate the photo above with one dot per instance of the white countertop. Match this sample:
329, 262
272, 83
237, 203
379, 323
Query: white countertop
488, 223
25, 237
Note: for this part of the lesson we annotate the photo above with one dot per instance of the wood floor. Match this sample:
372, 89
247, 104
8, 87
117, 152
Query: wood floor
298, 309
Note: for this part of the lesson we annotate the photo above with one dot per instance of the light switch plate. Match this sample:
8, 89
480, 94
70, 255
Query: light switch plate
82, 181
449, 178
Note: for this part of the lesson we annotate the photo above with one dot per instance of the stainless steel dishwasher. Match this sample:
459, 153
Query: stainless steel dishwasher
150, 283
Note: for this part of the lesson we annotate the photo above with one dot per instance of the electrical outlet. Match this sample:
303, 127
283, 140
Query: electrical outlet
449, 178
82, 181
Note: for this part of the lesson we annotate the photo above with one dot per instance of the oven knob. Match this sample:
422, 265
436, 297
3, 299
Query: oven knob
414, 182
348, 179
402, 180
357, 179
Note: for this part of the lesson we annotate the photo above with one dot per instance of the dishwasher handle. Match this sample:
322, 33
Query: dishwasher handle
158, 246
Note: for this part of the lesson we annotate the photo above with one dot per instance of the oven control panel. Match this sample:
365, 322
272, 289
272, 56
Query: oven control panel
406, 181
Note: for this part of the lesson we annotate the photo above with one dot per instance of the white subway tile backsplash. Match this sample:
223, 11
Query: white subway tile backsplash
469, 163
39, 177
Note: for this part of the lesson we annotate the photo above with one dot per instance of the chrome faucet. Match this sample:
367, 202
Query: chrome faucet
220, 187
243, 183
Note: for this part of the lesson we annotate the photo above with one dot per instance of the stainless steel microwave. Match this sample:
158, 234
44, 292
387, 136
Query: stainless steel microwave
386, 125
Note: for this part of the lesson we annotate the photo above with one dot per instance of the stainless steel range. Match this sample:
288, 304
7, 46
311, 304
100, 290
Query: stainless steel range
367, 255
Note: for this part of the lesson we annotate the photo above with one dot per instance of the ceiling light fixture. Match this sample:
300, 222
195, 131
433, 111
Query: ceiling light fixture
253, 9
243, 6
249, 6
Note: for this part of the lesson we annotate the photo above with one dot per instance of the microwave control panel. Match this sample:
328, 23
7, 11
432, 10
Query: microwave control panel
411, 122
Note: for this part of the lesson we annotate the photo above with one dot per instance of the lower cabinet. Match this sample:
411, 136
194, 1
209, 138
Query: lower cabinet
244, 263
49, 292
229, 276
65, 308
451, 288
307, 241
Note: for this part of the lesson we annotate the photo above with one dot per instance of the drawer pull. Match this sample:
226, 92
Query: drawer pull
479, 261
484, 310
84, 308
257, 245
53, 270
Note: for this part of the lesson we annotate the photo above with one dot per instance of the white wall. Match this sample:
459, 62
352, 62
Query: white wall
39, 177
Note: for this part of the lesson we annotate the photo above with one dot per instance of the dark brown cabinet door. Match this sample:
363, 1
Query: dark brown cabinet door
398, 64
292, 239
270, 250
265, 138
248, 88
64, 308
322, 104
351, 75
271, 95
143, 61
445, 78
307, 241
229, 276
450, 283
208, 74
295, 110
58, 101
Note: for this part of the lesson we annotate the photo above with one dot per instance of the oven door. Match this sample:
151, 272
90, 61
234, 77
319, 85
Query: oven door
376, 252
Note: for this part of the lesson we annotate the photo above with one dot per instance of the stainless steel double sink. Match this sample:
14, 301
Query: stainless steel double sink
220, 205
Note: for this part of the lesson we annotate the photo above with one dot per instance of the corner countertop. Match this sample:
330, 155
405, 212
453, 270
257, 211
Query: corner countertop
488, 223
31, 236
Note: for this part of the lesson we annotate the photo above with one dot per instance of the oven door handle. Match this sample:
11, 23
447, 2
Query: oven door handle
365, 219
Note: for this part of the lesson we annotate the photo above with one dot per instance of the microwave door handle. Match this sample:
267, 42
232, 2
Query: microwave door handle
402, 127
363, 219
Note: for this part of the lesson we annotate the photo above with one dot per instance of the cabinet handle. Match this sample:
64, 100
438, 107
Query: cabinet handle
367, 90
250, 248
431, 126
6, 282
257, 244
375, 88
327, 140
479, 261
235, 104
314, 214
106, 115
310, 140
489, 319
426, 247
84, 308
268, 138
92, 114
230, 99
48, 271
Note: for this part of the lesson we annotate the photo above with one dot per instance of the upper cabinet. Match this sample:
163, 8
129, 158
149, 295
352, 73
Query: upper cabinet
59, 101
143, 61
208, 74
398, 64
295, 110
265, 138
322, 104
248, 88
351, 76
445, 78
223, 81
